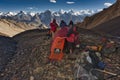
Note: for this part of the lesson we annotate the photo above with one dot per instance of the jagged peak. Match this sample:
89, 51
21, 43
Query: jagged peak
61, 11
22, 13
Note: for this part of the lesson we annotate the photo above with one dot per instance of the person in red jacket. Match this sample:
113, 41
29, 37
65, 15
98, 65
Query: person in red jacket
53, 26
71, 38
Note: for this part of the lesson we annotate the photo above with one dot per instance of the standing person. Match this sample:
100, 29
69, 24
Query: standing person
63, 24
70, 25
71, 38
53, 26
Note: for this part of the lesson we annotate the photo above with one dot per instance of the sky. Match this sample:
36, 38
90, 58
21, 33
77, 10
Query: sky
54, 5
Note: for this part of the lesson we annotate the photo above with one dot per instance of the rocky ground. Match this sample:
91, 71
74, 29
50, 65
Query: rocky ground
31, 59
7, 50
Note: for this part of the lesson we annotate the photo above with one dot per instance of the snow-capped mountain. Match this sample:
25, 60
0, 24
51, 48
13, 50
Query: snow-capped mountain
22, 16
10, 14
76, 16
31, 13
1, 13
46, 16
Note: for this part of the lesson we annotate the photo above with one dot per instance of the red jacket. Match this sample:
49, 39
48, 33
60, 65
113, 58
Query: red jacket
71, 38
53, 26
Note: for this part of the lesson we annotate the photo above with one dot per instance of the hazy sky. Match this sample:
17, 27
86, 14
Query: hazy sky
55, 5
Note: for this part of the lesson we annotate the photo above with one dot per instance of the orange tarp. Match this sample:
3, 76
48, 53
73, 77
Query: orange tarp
57, 48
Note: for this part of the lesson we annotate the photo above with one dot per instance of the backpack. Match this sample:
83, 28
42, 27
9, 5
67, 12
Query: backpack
96, 62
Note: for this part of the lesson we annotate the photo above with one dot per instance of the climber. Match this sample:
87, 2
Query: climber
63, 24
53, 26
70, 25
72, 37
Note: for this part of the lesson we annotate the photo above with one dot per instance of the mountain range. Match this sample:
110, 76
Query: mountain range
46, 16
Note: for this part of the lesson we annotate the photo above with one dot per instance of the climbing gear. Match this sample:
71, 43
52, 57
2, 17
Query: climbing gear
110, 73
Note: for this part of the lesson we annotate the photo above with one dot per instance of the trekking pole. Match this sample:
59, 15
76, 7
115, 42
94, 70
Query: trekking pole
107, 72
112, 76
